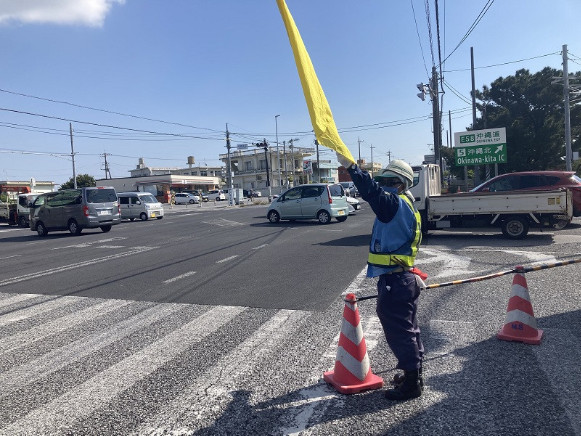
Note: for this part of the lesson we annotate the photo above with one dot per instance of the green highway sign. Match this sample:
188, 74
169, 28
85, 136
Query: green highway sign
480, 147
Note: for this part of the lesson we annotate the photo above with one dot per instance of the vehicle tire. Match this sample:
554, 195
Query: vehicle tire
192, 201
561, 224
341, 219
74, 228
22, 222
41, 229
515, 227
273, 216
143, 216
324, 217
106, 228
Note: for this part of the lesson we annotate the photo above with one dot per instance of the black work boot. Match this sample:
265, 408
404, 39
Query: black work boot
399, 378
408, 389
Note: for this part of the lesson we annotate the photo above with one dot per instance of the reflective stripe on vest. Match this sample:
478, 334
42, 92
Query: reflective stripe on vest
392, 259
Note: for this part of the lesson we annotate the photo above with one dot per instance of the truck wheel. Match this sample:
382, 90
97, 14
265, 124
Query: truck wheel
74, 228
143, 216
515, 227
41, 229
22, 221
106, 228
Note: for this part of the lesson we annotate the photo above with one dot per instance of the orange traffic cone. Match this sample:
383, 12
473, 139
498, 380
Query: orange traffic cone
520, 324
352, 372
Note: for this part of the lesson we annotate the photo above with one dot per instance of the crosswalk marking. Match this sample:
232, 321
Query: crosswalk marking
209, 389
60, 357
37, 333
27, 312
106, 385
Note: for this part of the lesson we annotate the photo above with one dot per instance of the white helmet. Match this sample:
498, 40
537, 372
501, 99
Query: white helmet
400, 169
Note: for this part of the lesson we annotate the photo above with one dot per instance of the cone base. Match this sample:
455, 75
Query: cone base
372, 382
534, 339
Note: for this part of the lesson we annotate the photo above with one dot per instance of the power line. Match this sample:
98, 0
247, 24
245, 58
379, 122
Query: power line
104, 110
505, 63
419, 39
472, 27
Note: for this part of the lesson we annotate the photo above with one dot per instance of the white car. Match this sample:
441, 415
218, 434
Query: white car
354, 205
185, 198
216, 195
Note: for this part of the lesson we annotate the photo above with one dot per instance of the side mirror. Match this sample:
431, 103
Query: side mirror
138, 202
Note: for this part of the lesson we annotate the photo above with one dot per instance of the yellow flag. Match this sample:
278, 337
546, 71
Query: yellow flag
319, 110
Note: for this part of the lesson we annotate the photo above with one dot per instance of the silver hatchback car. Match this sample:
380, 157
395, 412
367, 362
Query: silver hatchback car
315, 201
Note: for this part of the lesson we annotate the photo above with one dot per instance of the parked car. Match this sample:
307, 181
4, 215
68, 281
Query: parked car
186, 198
216, 195
203, 197
350, 189
142, 205
536, 180
315, 201
75, 210
354, 205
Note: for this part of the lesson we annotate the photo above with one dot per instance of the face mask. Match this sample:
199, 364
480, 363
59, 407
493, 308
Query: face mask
389, 189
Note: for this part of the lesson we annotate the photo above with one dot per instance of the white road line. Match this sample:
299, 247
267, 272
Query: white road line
229, 371
10, 281
10, 257
260, 246
16, 299
227, 259
61, 324
58, 358
36, 309
181, 276
102, 388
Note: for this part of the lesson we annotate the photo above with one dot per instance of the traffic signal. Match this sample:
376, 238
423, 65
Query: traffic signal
422, 93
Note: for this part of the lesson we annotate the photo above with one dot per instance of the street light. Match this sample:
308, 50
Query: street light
278, 155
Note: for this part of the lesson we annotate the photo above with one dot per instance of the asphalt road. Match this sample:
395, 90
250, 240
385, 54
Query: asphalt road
214, 321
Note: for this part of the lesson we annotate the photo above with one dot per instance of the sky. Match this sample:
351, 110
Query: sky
161, 79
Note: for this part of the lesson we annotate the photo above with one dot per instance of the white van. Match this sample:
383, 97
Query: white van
142, 205
23, 210
216, 195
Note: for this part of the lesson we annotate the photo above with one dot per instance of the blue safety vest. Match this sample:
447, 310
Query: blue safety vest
395, 244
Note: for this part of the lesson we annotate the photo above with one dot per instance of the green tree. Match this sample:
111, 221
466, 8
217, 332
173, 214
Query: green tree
531, 108
83, 180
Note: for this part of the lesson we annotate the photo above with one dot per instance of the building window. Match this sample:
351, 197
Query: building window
262, 164
249, 166
204, 173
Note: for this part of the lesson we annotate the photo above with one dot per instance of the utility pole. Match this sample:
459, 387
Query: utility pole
292, 159
318, 164
73, 156
359, 141
285, 171
388, 156
107, 167
278, 155
568, 151
436, 118
229, 172
264, 145
371, 169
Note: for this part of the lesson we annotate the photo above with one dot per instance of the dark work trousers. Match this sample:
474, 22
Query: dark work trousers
397, 305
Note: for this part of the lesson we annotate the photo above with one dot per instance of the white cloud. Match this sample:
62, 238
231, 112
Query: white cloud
76, 12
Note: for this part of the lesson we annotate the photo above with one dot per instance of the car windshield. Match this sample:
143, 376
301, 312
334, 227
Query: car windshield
101, 195
336, 190
148, 199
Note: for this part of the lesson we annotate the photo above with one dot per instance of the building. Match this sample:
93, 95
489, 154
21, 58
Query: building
372, 168
285, 167
161, 182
